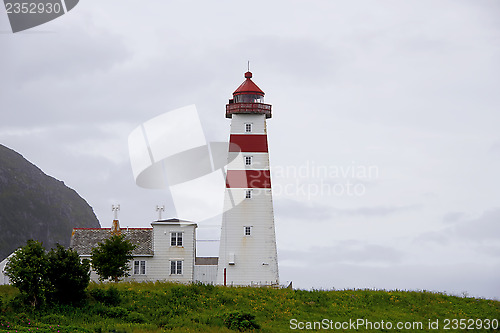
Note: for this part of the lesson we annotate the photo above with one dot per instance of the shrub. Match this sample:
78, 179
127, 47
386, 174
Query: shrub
110, 296
18, 303
68, 275
116, 312
54, 319
240, 321
110, 259
58, 275
136, 317
109, 312
27, 270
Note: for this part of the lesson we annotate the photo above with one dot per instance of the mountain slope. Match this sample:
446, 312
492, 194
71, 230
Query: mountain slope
36, 206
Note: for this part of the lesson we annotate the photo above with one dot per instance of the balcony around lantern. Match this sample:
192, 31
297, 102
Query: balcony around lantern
248, 108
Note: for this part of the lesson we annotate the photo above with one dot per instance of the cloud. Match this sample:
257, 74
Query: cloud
48, 78
378, 210
495, 148
476, 236
454, 217
457, 279
314, 211
347, 252
286, 208
482, 229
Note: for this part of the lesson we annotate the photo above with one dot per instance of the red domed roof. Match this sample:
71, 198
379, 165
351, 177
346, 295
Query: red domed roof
248, 87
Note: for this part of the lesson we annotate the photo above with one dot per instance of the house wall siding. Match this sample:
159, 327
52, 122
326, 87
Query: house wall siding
205, 274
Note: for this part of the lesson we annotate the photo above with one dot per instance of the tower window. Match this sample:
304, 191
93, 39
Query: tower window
248, 128
139, 267
248, 231
248, 160
176, 267
248, 194
176, 239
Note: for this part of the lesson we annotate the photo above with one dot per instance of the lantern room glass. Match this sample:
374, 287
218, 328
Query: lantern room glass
248, 98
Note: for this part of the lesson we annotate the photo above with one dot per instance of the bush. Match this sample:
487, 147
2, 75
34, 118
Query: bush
58, 275
110, 296
27, 270
109, 312
110, 259
240, 321
68, 276
116, 312
54, 319
19, 303
136, 317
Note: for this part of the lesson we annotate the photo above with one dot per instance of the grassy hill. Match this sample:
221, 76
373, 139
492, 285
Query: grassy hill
167, 307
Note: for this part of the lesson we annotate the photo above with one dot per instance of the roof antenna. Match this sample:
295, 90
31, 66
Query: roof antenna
115, 227
115, 210
160, 209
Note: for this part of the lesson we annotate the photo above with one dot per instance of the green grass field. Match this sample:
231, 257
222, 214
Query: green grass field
168, 307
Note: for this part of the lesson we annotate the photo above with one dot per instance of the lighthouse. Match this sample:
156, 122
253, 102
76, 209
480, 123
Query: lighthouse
247, 254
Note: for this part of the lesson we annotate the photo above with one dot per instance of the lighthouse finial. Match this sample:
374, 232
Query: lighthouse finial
248, 65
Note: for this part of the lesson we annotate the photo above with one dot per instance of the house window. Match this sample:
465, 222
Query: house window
248, 128
248, 231
248, 160
176, 239
248, 194
176, 267
139, 267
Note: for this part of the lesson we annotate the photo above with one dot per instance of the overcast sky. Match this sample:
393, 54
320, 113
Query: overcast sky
397, 101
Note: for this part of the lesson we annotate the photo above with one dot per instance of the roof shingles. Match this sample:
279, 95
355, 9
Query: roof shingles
84, 240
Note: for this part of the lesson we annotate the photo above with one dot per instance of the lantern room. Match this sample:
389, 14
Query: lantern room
248, 99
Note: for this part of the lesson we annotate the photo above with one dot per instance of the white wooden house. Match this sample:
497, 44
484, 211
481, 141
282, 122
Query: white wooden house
165, 252
4, 279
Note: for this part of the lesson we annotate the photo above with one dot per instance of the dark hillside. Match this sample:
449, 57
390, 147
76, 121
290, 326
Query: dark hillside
34, 205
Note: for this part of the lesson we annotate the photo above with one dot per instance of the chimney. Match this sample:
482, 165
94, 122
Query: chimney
115, 228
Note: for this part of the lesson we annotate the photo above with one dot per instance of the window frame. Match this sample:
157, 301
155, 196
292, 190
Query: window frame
176, 241
176, 267
248, 127
248, 194
247, 230
139, 267
248, 160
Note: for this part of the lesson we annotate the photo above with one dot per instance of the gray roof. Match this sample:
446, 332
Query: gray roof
174, 221
83, 240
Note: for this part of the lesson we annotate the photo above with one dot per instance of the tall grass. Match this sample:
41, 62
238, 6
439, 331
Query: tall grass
169, 307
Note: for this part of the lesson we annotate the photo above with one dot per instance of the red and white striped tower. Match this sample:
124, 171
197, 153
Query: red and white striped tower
247, 254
